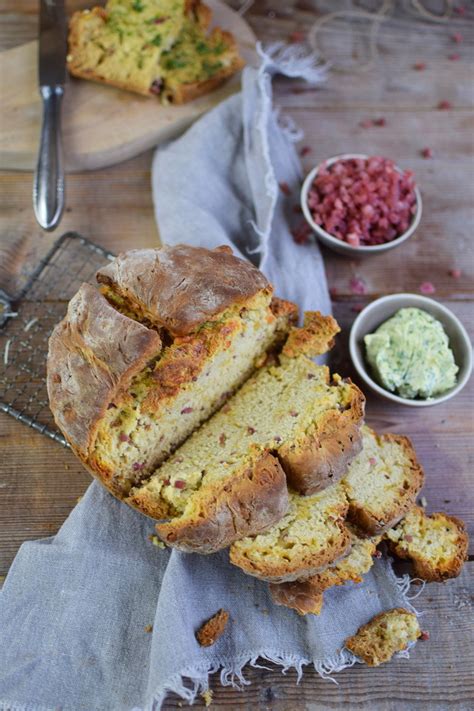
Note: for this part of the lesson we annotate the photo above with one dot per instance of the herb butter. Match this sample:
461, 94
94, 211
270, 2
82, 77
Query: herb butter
410, 355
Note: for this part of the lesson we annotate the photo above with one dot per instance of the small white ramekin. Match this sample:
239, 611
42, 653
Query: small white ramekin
382, 309
343, 247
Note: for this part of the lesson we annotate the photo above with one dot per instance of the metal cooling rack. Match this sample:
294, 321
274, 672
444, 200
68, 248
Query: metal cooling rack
26, 322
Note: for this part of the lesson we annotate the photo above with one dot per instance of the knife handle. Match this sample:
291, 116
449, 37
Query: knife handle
48, 186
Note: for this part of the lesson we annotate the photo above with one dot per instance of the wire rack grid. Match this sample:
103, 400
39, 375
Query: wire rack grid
26, 322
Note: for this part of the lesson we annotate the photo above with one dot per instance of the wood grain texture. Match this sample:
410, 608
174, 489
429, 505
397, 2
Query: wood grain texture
40, 481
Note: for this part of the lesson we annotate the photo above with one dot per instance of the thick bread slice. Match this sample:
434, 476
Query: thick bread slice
382, 482
311, 536
385, 634
306, 596
278, 404
153, 47
194, 350
227, 509
436, 545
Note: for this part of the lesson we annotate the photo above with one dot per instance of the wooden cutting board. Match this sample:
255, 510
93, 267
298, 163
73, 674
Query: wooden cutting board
101, 125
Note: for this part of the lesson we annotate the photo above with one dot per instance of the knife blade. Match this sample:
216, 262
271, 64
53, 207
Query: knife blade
48, 185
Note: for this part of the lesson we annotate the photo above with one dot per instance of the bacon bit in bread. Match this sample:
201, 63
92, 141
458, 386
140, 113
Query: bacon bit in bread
427, 153
211, 630
420, 66
409, 539
179, 484
124, 437
138, 465
111, 406
455, 273
222, 439
445, 105
285, 188
293, 413
372, 461
427, 288
186, 410
250, 430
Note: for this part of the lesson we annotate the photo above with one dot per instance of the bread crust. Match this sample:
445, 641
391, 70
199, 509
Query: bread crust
424, 568
321, 458
181, 287
373, 523
231, 508
93, 354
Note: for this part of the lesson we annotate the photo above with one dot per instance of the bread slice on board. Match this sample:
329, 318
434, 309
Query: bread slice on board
385, 634
382, 482
156, 48
436, 545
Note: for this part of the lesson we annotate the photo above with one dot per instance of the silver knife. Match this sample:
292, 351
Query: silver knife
48, 186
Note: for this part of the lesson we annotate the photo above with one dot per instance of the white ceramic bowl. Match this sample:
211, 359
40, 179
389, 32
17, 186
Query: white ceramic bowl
379, 311
343, 247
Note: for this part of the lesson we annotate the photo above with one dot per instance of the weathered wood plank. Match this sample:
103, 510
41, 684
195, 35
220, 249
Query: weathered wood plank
437, 677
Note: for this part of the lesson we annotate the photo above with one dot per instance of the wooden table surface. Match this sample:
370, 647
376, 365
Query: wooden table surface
40, 481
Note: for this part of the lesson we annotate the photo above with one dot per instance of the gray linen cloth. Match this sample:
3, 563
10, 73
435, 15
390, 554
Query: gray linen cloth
75, 608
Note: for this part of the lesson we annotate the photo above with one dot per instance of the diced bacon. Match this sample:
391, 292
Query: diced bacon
427, 288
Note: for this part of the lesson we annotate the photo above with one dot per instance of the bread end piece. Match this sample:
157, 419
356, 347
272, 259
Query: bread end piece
384, 635
436, 545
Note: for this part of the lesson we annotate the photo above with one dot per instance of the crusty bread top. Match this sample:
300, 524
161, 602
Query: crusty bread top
181, 287
93, 352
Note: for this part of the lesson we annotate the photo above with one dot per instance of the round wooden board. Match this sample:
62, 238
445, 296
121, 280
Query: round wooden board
101, 125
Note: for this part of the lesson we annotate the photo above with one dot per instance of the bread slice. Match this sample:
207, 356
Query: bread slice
382, 482
133, 371
152, 47
385, 634
281, 405
306, 596
436, 545
311, 536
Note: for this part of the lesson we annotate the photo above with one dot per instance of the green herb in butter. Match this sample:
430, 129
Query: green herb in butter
410, 355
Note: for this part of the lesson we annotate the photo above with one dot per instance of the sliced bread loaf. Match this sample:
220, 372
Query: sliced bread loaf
279, 405
385, 634
156, 48
311, 536
134, 370
382, 482
306, 596
436, 545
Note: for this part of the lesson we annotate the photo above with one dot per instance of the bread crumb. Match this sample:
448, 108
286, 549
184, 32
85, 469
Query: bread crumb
213, 628
156, 541
148, 628
67, 467
79, 499
207, 696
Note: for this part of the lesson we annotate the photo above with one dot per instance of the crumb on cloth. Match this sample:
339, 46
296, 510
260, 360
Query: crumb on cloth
213, 628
